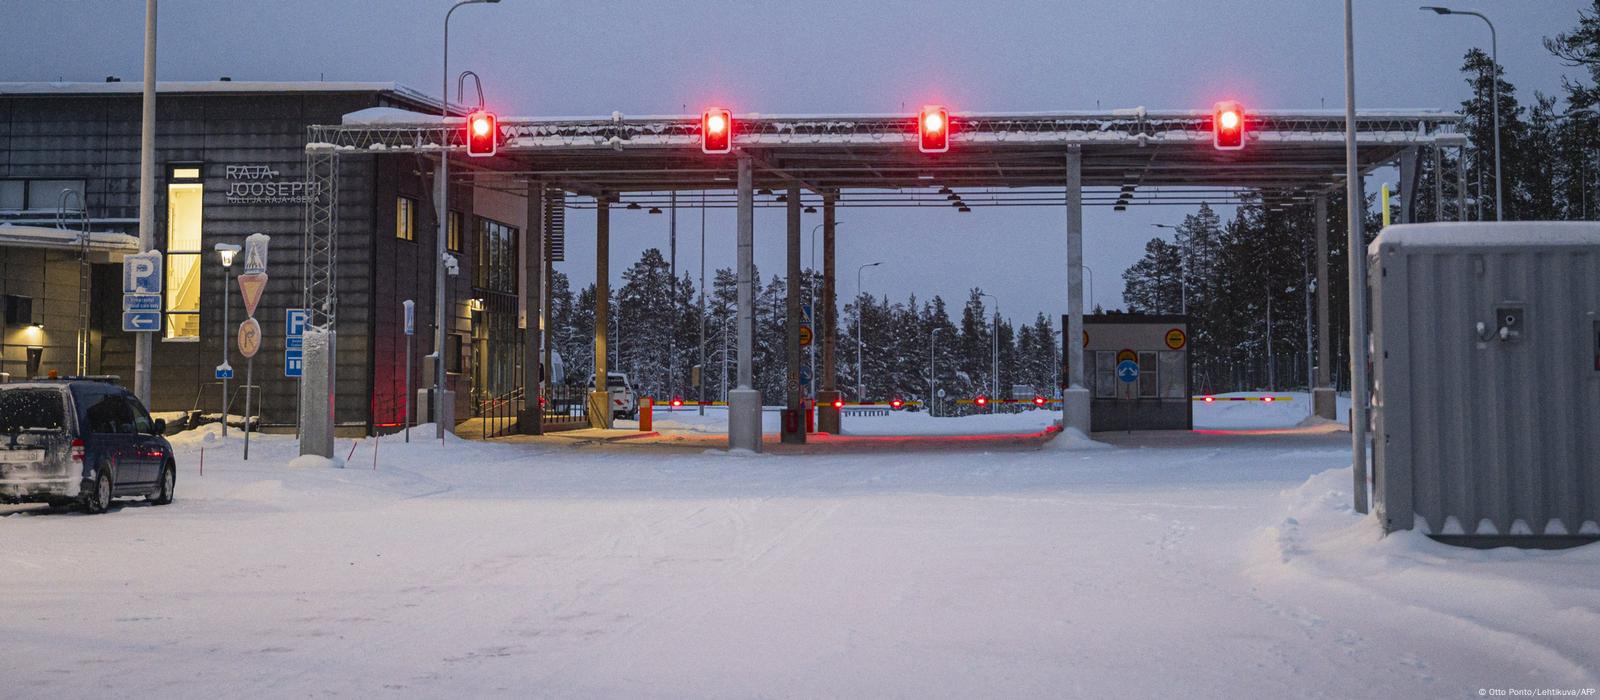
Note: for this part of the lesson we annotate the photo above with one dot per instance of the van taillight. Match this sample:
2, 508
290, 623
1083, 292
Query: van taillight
77, 450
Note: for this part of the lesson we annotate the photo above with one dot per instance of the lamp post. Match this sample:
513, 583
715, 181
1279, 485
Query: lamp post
1355, 247
994, 360
226, 251
1091, 286
442, 213
1494, 88
933, 379
860, 380
814, 276
1183, 275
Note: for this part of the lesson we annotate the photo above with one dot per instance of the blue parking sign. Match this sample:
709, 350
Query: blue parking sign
294, 322
292, 363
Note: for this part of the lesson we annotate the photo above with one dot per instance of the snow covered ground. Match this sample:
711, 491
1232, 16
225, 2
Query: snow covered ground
1193, 565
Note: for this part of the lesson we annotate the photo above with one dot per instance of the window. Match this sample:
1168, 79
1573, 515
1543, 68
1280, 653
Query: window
37, 195
452, 238
1149, 375
1103, 369
497, 257
184, 253
1174, 375
26, 409
108, 413
405, 218
455, 362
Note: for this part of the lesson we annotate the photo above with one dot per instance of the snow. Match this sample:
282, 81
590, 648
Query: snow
1204, 564
1489, 233
47, 237
391, 115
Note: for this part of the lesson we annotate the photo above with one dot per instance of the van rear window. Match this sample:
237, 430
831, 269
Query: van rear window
27, 409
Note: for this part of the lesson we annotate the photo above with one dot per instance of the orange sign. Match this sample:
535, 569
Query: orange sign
805, 336
1127, 355
1176, 339
249, 337
250, 286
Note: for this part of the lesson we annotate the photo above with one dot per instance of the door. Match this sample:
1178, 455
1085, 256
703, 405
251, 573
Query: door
147, 447
107, 444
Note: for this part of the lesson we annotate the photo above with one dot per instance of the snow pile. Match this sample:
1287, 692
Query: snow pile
1072, 439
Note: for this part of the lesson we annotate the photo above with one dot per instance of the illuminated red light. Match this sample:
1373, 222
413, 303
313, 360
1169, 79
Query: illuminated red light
896, 403
676, 402
1227, 126
716, 131
480, 134
1210, 399
933, 133
838, 403
1038, 400
981, 400
1266, 399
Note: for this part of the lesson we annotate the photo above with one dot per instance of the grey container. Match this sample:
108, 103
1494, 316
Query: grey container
1486, 381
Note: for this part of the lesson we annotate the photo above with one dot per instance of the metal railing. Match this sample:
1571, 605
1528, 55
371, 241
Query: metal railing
499, 413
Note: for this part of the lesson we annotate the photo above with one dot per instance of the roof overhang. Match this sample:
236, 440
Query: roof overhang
102, 247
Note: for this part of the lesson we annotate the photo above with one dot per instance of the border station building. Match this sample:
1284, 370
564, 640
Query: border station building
231, 162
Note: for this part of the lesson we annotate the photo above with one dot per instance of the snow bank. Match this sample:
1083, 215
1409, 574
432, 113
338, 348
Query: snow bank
1072, 439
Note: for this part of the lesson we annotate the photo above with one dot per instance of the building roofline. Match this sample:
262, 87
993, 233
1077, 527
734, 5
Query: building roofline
46, 89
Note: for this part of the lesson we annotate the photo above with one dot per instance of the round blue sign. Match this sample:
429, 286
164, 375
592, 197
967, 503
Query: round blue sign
1128, 371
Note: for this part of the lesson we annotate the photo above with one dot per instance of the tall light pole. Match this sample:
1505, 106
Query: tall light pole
1183, 274
702, 386
814, 313
442, 213
860, 381
1091, 287
226, 251
994, 359
1355, 247
933, 381
1494, 89
143, 345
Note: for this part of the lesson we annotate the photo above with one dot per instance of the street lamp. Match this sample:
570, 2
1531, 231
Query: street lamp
1494, 86
994, 360
1183, 276
1091, 285
860, 381
933, 381
442, 213
225, 252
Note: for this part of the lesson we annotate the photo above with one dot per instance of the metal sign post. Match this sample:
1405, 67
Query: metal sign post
249, 345
411, 331
1128, 373
251, 283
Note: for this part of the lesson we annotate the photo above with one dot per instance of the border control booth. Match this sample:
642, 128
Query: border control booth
1138, 371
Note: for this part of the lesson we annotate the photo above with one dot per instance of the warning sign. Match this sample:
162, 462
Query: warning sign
1176, 339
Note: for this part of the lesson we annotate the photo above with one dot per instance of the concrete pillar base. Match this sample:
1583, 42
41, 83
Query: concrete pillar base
744, 420
600, 409
1075, 409
1324, 403
316, 399
828, 418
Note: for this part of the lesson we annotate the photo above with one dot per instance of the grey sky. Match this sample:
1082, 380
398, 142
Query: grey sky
545, 57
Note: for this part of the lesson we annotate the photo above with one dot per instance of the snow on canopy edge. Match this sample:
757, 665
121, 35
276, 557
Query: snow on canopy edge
1488, 234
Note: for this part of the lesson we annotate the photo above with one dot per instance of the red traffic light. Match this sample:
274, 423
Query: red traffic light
933, 130
716, 131
1038, 400
896, 404
481, 137
981, 400
1227, 126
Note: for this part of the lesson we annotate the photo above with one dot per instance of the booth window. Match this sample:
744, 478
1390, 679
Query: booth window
405, 218
184, 253
497, 257
1104, 372
1149, 375
452, 237
1174, 375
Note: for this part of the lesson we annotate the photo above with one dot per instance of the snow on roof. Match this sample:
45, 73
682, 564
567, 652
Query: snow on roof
211, 86
65, 239
1490, 233
392, 115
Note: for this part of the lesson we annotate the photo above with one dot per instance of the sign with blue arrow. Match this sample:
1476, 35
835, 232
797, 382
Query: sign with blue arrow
1128, 371
141, 321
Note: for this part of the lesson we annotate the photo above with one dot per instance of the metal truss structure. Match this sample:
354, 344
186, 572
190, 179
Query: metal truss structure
321, 245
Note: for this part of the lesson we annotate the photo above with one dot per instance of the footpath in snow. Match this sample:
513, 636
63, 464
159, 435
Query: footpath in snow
1220, 564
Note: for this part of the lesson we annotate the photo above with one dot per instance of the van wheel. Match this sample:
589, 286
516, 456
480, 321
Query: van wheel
99, 498
169, 481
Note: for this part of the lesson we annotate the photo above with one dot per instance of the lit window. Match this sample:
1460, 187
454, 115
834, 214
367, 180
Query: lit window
184, 253
452, 238
405, 219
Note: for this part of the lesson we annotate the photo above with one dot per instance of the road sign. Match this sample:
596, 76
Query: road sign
249, 337
294, 342
294, 322
805, 313
255, 253
941, 393
291, 363
141, 321
250, 286
224, 372
805, 336
1128, 371
805, 375
1126, 354
141, 302
411, 316
1176, 339
141, 273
